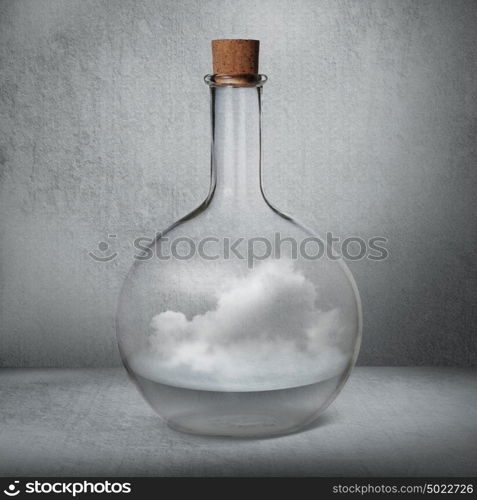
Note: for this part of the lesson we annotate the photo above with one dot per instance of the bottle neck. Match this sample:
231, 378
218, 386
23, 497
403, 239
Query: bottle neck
236, 146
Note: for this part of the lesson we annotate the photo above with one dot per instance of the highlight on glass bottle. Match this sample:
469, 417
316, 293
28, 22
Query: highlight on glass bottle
230, 328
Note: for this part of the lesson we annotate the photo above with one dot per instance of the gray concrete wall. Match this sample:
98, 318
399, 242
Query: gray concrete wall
370, 129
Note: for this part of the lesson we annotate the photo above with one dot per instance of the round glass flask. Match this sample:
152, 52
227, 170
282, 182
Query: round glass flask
234, 321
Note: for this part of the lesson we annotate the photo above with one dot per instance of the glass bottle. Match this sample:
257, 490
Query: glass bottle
232, 322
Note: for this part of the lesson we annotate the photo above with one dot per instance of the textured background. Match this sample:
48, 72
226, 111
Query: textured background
370, 129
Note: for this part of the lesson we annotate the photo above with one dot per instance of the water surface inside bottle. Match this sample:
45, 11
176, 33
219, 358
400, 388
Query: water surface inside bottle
238, 413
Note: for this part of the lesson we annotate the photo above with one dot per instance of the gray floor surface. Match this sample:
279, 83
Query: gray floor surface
386, 422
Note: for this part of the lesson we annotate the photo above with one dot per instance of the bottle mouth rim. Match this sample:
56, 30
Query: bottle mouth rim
239, 80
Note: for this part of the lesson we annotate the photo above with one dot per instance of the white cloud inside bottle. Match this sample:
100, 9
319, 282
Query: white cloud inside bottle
265, 332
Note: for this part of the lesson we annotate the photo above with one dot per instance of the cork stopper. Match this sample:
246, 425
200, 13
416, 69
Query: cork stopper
238, 59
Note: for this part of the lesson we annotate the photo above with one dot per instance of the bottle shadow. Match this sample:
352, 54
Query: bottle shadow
323, 420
